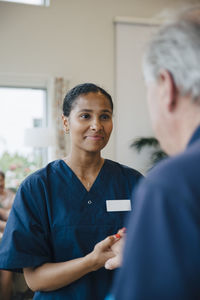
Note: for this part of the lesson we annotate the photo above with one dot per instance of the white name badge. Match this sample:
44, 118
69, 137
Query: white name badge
118, 205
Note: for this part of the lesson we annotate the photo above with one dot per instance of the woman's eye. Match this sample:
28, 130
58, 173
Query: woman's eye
105, 117
85, 116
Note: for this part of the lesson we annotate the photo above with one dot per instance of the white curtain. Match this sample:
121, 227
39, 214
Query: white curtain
61, 147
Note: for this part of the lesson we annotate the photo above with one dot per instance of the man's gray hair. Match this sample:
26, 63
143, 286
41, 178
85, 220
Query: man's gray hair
176, 48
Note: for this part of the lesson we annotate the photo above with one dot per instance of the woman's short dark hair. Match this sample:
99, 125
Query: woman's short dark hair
82, 89
2, 174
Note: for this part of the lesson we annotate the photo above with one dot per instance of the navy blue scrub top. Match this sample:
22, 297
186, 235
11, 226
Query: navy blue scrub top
162, 252
55, 219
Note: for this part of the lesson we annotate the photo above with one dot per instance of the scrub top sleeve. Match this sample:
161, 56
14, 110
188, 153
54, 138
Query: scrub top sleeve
134, 178
25, 241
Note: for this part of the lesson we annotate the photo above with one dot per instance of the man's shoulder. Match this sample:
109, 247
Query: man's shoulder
173, 169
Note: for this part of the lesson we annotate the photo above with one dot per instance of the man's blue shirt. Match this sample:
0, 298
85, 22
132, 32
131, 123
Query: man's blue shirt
162, 253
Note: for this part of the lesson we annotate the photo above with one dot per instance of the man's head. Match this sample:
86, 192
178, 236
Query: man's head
172, 74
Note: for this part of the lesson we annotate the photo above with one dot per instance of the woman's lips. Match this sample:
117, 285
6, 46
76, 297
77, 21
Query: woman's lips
95, 137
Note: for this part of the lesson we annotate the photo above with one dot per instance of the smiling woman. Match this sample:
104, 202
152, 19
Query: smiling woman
90, 122
68, 229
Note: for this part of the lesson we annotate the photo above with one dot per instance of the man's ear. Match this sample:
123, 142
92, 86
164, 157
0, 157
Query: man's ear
65, 123
169, 91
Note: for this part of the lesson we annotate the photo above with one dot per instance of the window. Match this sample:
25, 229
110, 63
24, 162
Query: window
32, 2
20, 109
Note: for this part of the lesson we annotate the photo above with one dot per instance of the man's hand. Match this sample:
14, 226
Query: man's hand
117, 248
103, 252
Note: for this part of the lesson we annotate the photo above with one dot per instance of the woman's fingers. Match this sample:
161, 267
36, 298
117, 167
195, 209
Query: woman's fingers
107, 243
108, 252
122, 231
113, 263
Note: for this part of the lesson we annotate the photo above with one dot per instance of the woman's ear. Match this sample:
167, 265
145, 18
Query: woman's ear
65, 123
169, 90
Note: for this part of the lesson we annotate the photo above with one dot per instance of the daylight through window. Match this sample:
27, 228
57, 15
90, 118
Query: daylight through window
20, 108
32, 2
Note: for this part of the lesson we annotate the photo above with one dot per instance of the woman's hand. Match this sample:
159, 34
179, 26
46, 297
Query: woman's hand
103, 251
117, 249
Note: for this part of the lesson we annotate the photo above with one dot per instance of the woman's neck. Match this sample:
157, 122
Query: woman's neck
86, 167
89, 163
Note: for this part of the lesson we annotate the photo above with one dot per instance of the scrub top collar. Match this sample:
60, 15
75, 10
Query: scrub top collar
73, 175
195, 136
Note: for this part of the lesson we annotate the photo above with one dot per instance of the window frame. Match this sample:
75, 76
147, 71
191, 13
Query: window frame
45, 2
33, 82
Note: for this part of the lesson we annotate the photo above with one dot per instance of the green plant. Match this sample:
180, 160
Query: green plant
16, 168
151, 142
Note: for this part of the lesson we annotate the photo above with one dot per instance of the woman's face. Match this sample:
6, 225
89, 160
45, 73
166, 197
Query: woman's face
90, 122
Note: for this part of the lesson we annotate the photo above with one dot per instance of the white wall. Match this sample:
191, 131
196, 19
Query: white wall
71, 38
132, 118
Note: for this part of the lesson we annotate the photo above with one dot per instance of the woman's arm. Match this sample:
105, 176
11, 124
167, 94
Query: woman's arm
52, 276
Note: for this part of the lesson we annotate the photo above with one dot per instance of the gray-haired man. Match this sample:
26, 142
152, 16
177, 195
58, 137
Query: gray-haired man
162, 252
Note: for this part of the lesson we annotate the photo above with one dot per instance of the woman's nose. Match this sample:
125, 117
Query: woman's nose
96, 125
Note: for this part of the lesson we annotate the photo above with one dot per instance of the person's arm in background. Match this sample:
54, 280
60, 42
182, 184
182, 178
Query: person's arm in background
5, 209
4, 213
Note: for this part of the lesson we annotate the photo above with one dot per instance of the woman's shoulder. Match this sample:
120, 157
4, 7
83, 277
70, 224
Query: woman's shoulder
42, 174
128, 171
